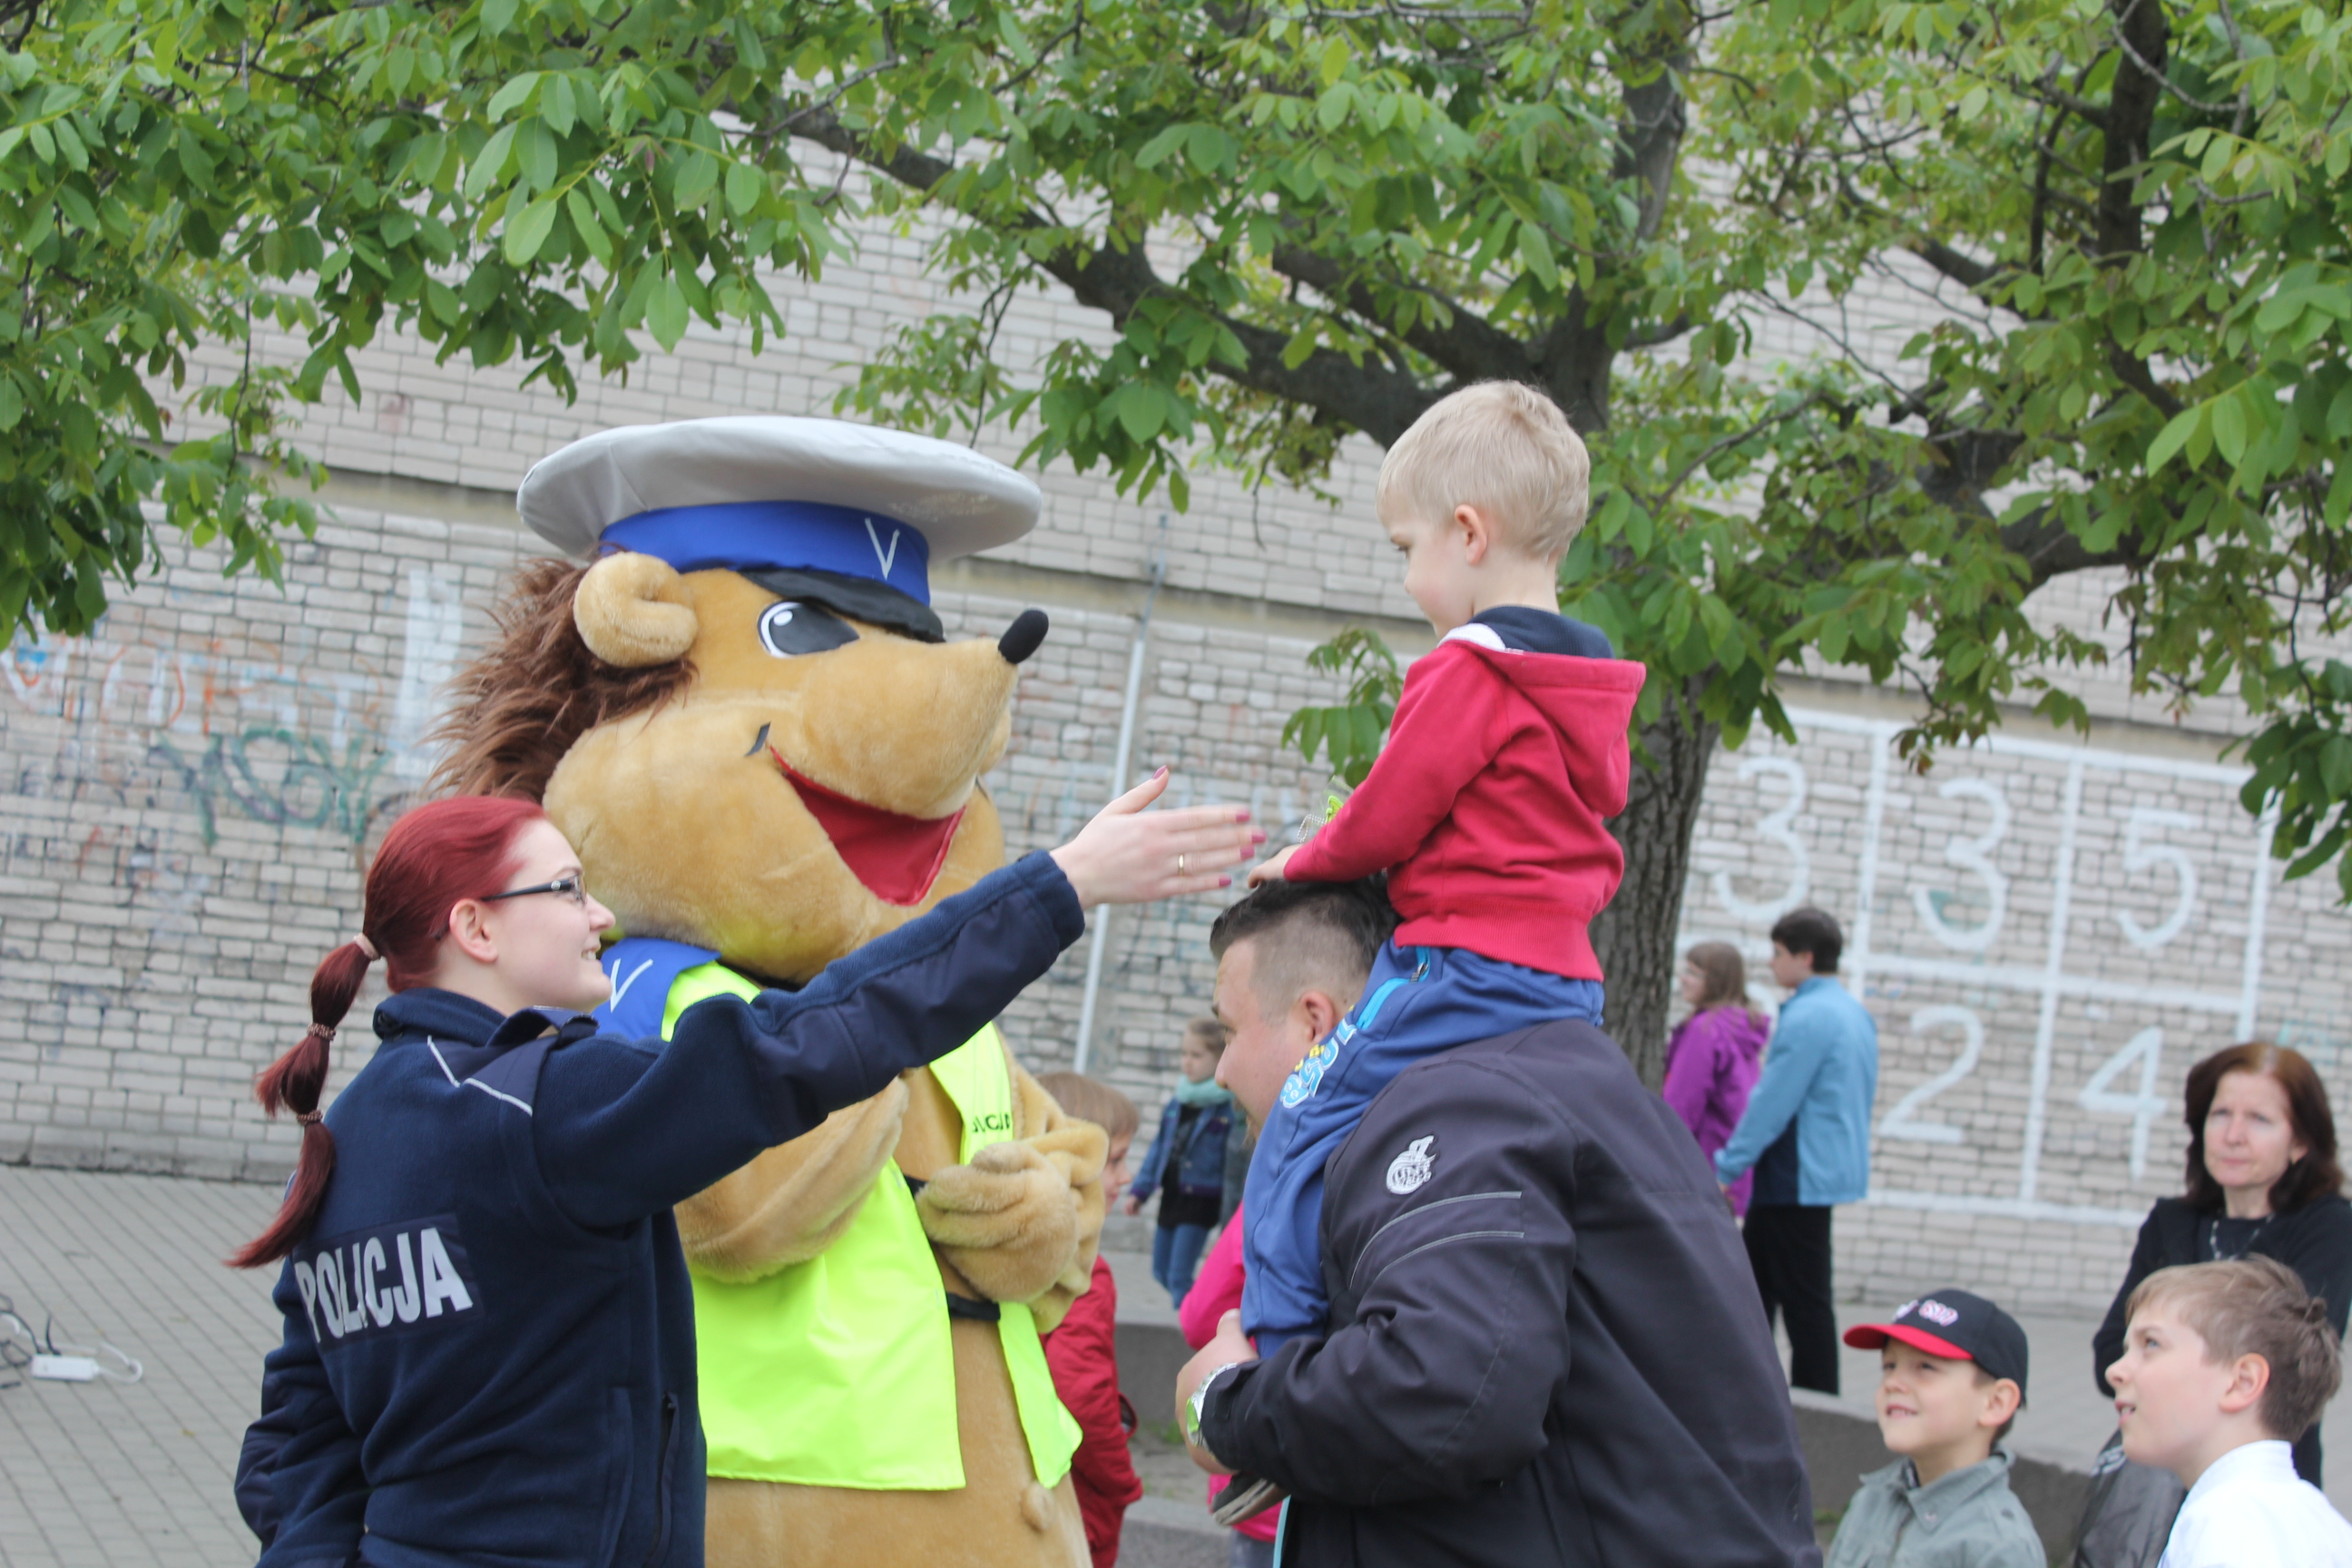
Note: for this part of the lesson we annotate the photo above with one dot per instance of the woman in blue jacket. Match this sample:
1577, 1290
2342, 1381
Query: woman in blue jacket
489, 1340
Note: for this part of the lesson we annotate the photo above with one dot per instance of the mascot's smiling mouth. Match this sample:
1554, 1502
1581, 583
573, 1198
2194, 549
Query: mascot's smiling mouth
896, 858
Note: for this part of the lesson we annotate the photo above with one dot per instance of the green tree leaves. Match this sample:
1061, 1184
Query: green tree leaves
1291, 224
532, 179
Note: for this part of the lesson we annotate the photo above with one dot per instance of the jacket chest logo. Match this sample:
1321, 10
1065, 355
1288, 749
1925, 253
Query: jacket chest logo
1410, 1169
409, 1274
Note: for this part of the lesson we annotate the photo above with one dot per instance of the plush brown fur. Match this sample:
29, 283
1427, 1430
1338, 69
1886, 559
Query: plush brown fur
633, 611
535, 689
669, 778
690, 831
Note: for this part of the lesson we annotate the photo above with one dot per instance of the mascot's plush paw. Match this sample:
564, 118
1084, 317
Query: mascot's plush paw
1076, 1149
1007, 1221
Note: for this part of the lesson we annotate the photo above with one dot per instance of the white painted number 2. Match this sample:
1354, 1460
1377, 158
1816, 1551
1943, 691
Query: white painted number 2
1971, 855
1902, 1122
1774, 827
2147, 1048
2139, 857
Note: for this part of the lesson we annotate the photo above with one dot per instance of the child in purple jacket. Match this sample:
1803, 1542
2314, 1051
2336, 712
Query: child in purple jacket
1713, 1059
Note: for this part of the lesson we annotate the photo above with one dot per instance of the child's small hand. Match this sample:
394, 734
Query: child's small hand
1271, 871
1130, 1205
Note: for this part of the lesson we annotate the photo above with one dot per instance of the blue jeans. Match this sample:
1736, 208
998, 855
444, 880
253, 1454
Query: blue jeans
1175, 1255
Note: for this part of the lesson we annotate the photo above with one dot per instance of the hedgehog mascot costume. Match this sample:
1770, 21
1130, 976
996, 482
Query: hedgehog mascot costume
735, 701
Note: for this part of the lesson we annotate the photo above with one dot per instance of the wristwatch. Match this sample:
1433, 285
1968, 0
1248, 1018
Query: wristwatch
1201, 1397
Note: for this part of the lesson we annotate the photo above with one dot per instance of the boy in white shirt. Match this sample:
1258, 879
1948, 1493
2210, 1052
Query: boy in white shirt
2224, 1364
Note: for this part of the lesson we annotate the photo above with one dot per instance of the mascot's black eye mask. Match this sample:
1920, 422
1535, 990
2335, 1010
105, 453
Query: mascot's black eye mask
860, 598
794, 627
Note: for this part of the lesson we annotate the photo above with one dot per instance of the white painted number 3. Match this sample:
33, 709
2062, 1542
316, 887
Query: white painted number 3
1969, 855
1775, 828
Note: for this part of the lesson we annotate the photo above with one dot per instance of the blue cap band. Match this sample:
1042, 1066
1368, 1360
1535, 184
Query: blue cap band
808, 536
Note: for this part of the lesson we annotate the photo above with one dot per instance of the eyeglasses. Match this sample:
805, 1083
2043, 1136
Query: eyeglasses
569, 887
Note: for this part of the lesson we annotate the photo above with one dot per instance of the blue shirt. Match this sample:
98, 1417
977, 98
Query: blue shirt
1807, 1127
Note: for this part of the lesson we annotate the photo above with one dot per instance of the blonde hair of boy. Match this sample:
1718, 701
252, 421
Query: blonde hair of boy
2256, 1306
1502, 448
1091, 1099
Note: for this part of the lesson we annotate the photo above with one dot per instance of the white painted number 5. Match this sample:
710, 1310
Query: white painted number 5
2139, 857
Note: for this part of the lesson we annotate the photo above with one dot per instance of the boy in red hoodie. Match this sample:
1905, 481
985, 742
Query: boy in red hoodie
1486, 809
1083, 1354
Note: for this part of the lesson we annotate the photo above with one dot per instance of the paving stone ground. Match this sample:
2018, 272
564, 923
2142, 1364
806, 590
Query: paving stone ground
103, 1473
109, 1475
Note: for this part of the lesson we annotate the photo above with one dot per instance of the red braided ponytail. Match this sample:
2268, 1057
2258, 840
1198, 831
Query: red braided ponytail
434, 857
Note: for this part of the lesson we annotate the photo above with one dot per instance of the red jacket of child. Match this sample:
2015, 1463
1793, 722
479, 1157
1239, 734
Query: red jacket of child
1486, 806
1083, 1356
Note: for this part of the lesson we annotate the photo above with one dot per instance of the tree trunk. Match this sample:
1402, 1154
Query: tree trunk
1635, 934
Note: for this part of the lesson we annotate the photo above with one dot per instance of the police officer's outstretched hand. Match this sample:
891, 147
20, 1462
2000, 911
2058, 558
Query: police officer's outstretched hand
1131, 855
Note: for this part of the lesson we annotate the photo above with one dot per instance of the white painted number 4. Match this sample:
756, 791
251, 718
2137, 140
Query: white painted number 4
2145, 1047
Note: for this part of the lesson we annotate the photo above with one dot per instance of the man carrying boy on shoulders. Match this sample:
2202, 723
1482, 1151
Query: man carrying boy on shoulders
2224, 1363
1543, 1350
1952, 1377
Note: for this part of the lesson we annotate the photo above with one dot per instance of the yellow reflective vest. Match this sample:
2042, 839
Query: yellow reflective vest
839, 1371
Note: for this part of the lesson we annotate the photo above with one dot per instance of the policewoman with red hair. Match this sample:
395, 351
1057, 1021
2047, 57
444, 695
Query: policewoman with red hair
488, 1355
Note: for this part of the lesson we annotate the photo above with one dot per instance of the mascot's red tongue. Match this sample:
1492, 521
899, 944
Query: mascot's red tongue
896, 858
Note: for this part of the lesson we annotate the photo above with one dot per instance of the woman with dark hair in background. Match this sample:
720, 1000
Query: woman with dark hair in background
489, 1350
2262, 1180
1714, 1058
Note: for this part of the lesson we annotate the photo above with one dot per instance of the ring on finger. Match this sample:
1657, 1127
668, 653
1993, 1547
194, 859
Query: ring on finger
1179, 865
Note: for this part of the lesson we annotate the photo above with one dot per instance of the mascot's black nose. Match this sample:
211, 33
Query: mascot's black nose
1022, 638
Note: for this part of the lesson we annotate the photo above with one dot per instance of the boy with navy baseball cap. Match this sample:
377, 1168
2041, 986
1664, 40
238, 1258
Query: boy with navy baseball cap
1951, 1380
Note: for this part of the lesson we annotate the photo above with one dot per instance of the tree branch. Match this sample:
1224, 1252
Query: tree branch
2140, 27
1380, 402
1468, 346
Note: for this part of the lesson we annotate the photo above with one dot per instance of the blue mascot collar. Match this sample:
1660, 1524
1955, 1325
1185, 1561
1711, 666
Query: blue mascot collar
765, 535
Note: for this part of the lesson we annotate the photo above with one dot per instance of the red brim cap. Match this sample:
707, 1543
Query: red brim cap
1871, 1336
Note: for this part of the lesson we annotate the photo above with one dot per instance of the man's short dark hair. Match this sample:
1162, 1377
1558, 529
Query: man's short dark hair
1324, 936
1811, 931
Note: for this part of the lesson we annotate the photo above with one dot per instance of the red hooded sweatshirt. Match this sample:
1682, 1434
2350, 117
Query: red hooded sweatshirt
1486, 806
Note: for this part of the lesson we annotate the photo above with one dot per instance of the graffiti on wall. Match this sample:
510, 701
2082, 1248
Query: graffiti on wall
261, 725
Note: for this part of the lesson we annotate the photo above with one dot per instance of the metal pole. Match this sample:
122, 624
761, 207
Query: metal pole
1099, 943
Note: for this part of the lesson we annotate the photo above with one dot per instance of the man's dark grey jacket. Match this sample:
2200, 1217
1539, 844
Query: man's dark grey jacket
1545, 1345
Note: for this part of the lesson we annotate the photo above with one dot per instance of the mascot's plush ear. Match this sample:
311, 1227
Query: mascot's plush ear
633, 610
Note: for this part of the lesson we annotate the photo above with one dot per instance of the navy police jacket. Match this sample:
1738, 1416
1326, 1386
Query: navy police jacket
1545, 1345
488, 1356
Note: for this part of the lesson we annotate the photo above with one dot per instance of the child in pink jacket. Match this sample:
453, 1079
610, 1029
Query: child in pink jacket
1713, 1059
